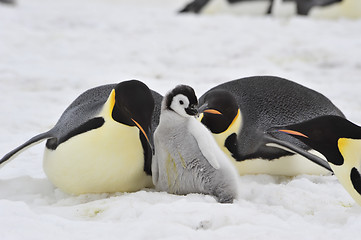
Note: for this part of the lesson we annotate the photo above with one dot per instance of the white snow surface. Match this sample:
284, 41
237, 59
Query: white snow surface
51, 51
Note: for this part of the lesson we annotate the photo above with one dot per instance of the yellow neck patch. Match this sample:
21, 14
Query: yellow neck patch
351, 151
234, 127
235, 121
107, 110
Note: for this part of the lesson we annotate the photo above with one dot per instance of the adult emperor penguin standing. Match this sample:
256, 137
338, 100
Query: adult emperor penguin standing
102, 141
339, 140
239, 112
187, 159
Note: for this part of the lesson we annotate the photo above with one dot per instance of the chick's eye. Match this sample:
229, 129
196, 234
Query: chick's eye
181, 102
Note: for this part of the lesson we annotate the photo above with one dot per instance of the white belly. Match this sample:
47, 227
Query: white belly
286, 166
346, 8
107, 159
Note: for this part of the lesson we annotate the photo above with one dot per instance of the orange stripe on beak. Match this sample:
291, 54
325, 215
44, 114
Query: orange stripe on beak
141, 129
293, 133
212, 111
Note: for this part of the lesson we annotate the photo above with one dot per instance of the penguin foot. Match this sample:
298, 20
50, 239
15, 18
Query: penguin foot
224, 196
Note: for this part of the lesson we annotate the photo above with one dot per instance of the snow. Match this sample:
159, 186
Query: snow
51, 51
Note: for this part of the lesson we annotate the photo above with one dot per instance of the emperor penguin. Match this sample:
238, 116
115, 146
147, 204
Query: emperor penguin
339, 140
239, 112
102, 143
187, 159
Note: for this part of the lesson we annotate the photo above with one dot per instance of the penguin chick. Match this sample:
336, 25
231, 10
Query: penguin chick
187, 159
339, 140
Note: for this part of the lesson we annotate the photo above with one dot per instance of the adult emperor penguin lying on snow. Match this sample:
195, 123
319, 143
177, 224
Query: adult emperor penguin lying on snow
187, 159
239, 112
101, 143
339, 141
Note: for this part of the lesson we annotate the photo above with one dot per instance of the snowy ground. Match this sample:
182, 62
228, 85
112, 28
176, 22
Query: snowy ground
51, 51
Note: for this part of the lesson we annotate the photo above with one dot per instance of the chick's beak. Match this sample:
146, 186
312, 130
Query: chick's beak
191, 110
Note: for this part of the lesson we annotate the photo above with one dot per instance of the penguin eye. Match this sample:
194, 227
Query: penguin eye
181, 102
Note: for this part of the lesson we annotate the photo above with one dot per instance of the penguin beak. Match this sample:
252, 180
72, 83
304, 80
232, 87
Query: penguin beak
212, 111
204, 109
142, 130
191, 110
291, 132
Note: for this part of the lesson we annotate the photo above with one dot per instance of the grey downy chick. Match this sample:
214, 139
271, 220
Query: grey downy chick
187, 159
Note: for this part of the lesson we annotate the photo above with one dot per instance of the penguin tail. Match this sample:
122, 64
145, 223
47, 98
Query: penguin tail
31, 142
292, 148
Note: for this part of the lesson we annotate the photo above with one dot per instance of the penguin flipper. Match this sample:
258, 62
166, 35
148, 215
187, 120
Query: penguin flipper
205, 141
292, 148
31, 142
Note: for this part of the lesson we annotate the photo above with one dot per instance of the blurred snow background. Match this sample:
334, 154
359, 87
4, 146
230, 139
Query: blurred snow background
51, 51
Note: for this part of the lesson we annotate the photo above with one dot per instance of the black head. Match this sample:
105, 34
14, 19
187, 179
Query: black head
134, 105
322, 134
182, 100
219, 110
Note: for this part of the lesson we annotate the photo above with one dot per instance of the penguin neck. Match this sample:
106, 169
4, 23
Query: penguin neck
112, 112
169, 117
350, 150
107, 109
234, 127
